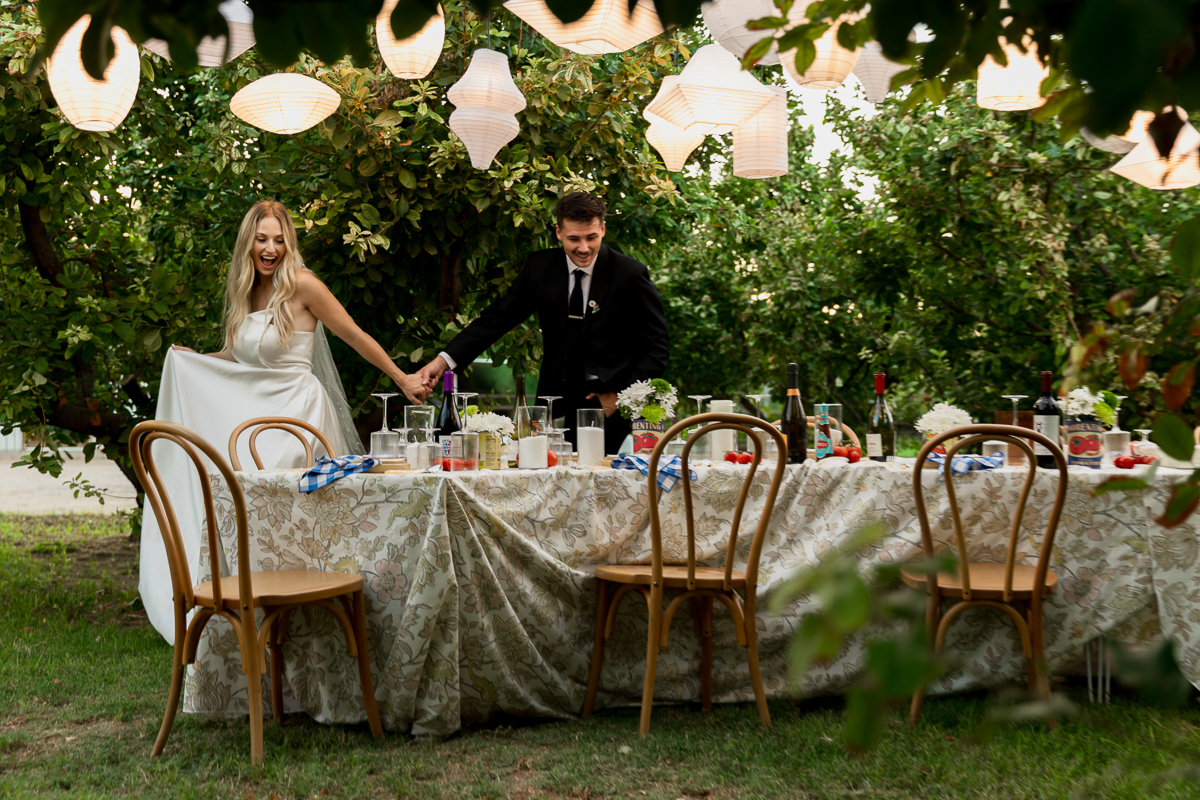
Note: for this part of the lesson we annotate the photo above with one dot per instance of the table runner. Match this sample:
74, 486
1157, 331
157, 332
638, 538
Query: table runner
480, 595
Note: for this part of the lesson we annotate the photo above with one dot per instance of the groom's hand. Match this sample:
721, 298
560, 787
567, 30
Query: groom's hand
608, 401
430, 373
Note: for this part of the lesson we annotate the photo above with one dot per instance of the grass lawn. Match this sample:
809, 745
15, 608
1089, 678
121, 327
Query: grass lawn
83, 682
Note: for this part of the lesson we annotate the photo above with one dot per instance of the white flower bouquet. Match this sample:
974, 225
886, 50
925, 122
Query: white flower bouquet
652, 400
1083, 402
941, 418
488, 422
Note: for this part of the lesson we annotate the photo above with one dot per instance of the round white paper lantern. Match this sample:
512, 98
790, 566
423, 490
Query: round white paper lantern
876, 71
832, 63
1016, 87
726, 21
1138, 128
672, 142
415, 56
760, 146
607, 27
486, 101
285, 102
713, 94
1180, 170
211, 51
89, 104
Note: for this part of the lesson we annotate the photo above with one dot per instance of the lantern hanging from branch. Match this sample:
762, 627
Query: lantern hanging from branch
607, 27
1016, 87
486, 101
726, 21
760, 145
876, 71
211, 50
285, 102
1180, 170
1125, 142
713, 94
87, 103
415, 56
672, 142
832, 63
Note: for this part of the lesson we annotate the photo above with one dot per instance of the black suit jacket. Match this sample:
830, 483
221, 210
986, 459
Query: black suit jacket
624, 335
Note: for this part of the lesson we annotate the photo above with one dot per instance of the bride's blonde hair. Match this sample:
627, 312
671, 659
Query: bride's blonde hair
242, 275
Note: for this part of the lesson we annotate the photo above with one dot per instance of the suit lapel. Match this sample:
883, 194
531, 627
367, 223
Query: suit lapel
602, 279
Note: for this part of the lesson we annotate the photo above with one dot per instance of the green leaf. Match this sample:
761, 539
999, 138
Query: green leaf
406, 178
368, 167
388, 119
1174, 437
1120, 483
1185, 250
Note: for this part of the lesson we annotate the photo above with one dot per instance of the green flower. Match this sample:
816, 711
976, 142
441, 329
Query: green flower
660, 385
1105, 413
653, 412
469, 410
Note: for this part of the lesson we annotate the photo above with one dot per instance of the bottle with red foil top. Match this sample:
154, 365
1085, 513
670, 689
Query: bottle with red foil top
881, 428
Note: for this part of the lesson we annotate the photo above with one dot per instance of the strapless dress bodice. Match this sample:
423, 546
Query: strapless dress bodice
257, 345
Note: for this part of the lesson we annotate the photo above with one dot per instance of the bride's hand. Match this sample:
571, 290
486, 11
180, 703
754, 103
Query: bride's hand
181, 347
414, 389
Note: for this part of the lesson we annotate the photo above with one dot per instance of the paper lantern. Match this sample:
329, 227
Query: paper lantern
876, 71
607, 27
1123, 143
760, 145
210, 50
285, 102
1180, 170
832, 63
1016, 87
713, 94
486, 101
89, 104
415, 56
726, 21
672, 142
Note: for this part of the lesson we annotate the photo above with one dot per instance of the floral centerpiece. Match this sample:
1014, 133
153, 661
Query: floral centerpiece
492, 430
647, 403
939, 419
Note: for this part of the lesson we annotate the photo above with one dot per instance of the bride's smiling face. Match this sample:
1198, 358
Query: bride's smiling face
269, 248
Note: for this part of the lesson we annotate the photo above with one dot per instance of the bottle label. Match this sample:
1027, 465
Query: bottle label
1047, 425
874, 445
824, 444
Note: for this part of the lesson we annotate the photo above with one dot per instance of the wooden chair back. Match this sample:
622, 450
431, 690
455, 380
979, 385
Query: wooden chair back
141, 442
708, 423
289, 424
968, 435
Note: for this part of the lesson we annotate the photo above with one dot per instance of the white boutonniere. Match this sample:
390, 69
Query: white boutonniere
592, 305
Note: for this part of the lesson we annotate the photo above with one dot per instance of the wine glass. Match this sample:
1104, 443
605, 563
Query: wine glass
465, 397
700, 449
1116, 428
1145, 432
1016, 398
758, 398
385, 442
699, 398
550, 398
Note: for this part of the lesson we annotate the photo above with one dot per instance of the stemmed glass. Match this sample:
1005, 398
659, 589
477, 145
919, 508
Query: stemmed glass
465, 397
700, 449
1145, 432
1116, 428
384, 442
758, 398
550, 398
699, 398
1016, 398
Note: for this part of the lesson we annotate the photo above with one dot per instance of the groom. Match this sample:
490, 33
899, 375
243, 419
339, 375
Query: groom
602, 322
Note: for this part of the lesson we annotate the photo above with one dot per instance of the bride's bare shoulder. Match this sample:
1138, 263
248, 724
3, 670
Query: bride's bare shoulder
308, 284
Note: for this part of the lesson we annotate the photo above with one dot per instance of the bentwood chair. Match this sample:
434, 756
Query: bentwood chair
1016, 589
699, 585
237, 597
850, 434
288, 424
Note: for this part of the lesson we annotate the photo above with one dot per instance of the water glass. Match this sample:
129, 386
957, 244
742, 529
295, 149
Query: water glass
464, 451
589, 436
675, 447
417, 418
423, 455
531, 421
835, 424
385, 444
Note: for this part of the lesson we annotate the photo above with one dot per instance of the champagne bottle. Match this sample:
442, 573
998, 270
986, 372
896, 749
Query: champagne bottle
881, 428
821, 430
448, 420
1046, 419
793, 422
519, 402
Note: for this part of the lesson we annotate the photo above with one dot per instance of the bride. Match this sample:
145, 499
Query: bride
275, 361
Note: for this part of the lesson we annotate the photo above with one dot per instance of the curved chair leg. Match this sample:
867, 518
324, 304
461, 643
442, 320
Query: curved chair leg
597, 665
655, 602
1042, 669
276, 645
760, 694
702, 609
932, 618
364, 665
252, 667
177, 671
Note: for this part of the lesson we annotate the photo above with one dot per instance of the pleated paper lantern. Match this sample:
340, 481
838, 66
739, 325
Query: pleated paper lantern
211, 51
713, 94
89, 104
1125, 142
726, 21
672, 142
1016, 87
1180, 170
285, 102
832, 63
876, 71
760, 146
415, 56
486, 101
607, 27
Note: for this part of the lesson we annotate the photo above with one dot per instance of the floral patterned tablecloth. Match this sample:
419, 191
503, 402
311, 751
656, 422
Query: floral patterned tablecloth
480, 595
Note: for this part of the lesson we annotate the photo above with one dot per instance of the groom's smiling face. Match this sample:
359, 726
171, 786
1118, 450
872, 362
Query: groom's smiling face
269, 247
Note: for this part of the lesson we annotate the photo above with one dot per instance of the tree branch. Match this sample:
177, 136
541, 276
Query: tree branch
40, 246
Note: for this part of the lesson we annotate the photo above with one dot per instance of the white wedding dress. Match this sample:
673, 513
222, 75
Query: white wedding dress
212, 396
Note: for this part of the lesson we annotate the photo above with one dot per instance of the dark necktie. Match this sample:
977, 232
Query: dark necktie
575, 304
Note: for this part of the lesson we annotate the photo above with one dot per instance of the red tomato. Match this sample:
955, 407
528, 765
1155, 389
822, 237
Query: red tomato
731, 457
1124, 462
841, 452
856, 449
855, 456
744, 458
551, 458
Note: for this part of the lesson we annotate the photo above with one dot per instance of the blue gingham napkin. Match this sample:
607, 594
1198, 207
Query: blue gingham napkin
670, 469
968, 463
327, 470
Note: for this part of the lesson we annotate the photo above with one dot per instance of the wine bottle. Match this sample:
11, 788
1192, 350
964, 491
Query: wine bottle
519, 401
1046, 419
793, 423
448, 420
821, 430
881, 428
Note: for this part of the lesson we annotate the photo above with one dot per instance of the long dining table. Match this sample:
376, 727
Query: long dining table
481, 597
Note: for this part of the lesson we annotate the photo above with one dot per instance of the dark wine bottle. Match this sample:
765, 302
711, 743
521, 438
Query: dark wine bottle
520, 402
881, 428
448, 420
1046, 419
793, 423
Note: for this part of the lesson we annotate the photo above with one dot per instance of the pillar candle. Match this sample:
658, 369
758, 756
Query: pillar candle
591, 446
531, 452
721, 442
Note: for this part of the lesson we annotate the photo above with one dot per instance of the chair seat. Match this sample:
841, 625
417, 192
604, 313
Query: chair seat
281, 587
987, 581
673, 576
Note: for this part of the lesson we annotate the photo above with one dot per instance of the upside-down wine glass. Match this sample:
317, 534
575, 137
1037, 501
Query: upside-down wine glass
550, 398
384, 442
700, 449
1116, 428
465, 398
1016, 415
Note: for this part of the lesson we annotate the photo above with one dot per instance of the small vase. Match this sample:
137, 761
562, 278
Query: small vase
941, 448
646, 435
1083, 435
490, 448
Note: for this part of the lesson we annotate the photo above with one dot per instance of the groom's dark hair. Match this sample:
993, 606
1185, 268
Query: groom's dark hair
580, 207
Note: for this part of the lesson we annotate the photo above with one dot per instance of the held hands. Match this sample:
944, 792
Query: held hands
430, 373
413, 388
608, 401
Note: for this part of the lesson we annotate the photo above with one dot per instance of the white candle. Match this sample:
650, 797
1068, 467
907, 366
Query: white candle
531, 451
410, 455
591, 446
721, 442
